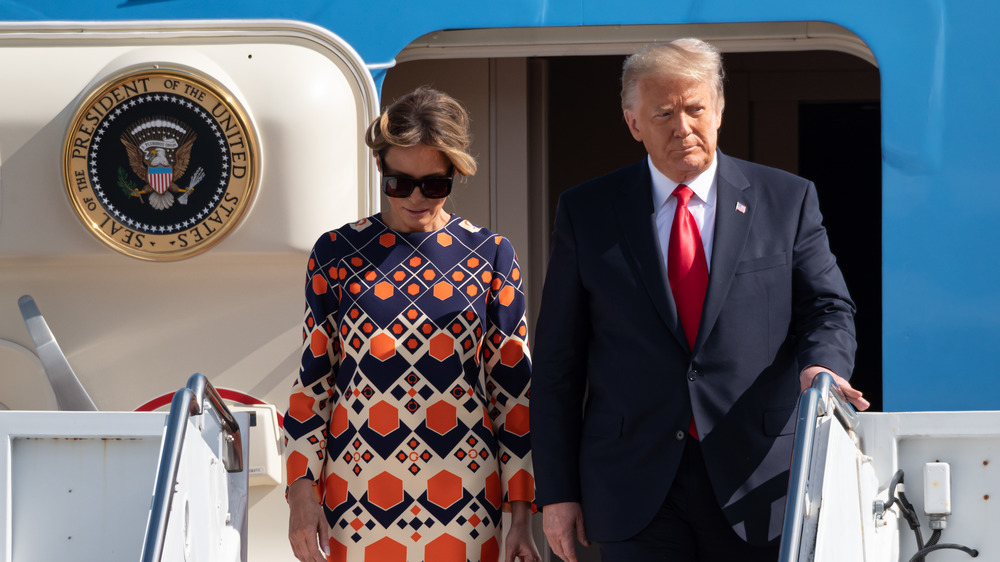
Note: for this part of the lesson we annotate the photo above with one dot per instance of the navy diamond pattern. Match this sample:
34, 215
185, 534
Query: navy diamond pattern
388, 415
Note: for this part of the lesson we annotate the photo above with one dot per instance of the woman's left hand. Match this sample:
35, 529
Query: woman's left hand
520, 544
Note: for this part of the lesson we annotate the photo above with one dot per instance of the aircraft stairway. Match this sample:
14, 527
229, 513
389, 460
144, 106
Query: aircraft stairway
881, 487
110, 486
88, 485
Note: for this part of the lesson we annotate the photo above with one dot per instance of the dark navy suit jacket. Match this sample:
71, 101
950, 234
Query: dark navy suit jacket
614, 382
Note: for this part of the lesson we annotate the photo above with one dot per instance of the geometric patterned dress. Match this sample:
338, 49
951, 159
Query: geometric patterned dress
410, 411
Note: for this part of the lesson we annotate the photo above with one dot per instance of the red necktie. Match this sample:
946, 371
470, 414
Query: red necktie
687, 270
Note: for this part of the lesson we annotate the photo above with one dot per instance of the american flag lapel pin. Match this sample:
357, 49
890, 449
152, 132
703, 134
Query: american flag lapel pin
740, 207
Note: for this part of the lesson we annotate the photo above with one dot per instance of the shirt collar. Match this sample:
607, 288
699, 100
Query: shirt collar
703, 186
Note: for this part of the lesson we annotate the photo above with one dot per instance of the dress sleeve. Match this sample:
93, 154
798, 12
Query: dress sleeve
309, 405
507, 363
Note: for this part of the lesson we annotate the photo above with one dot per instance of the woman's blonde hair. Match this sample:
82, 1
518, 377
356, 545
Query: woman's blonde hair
425, 116
681, 58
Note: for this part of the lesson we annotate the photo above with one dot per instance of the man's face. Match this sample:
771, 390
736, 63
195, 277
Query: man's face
677, 120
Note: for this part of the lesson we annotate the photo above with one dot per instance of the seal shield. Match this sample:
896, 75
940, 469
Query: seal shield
161, 163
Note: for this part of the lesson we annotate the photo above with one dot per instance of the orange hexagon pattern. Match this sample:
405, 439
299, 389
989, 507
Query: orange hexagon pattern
383, 290
442, 417
443, 290
385, 490
318, 284
442, 346
300, 406
511, 352
382, 346
395, 416
296, 465
444, 489
317, 343
336, 491
386, 550
506, 295
494, 493
338, 421
383, 418
445, 548
490, 552
517, 420
338, 551
522, 484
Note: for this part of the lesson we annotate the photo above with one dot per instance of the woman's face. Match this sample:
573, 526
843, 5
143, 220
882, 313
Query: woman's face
415, 213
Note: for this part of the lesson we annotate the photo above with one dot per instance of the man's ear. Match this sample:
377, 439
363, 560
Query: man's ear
633, 124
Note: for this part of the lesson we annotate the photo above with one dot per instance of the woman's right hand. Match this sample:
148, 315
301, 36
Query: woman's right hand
306, 522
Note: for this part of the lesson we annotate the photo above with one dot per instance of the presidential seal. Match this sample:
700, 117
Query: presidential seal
160, 164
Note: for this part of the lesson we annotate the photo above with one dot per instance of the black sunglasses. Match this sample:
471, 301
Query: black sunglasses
402, 186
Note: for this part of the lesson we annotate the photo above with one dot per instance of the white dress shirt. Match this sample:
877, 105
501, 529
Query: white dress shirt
701, 205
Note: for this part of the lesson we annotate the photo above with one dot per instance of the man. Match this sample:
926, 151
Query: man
676, 332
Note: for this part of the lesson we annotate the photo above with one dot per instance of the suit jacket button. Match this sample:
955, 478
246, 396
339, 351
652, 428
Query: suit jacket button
679, 435
691, 375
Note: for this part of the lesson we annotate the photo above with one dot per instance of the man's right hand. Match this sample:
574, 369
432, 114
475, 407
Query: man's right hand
306, 522
562, 522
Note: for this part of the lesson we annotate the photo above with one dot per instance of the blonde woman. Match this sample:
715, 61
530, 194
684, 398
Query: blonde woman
395, 449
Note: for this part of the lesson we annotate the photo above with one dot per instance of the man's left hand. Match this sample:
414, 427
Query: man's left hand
846, 391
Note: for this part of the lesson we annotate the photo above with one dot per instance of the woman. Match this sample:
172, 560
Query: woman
395, 449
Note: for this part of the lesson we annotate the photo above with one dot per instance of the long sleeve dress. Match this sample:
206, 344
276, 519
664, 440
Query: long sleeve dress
410, 411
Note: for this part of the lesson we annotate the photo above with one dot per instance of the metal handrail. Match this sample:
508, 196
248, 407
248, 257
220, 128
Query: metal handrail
69, 392
816, 401
187, 402
203, 389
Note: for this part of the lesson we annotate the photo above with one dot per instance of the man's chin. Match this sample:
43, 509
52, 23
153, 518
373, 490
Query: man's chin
685, 169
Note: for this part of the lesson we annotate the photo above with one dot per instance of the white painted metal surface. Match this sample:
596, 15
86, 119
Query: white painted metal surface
207, 515
76, 486
264, 442
840, 523
970, 443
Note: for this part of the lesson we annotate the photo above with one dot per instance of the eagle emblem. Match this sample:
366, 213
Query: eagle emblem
159, 150
160, 163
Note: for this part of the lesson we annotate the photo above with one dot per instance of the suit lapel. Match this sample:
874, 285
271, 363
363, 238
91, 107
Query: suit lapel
635, 217
732, 225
